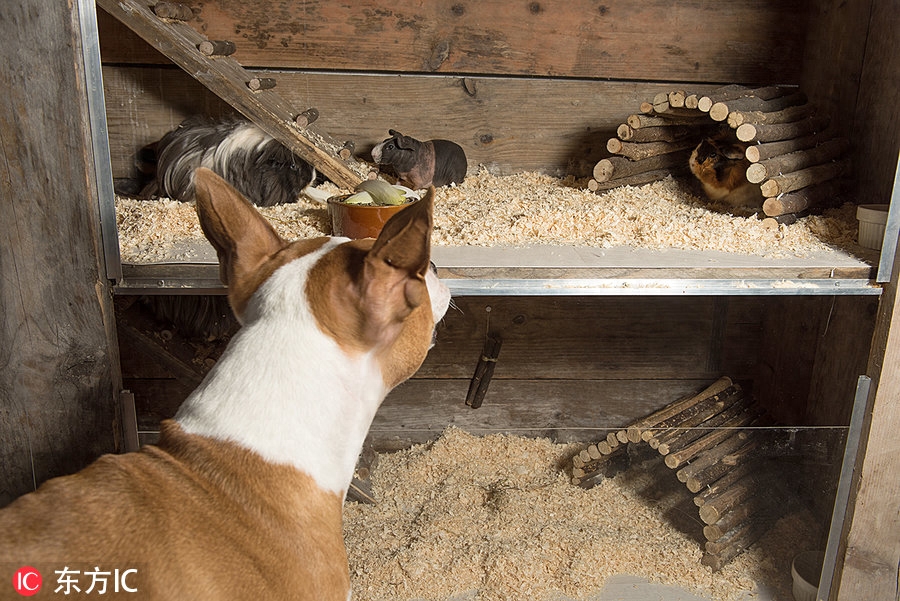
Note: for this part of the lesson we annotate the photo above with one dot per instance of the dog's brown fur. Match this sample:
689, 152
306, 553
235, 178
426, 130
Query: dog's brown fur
204, 518
197, 519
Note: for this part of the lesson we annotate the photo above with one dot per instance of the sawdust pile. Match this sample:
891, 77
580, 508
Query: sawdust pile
525, 209
495, 518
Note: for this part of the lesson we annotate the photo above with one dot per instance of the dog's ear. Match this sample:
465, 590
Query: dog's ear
394, 271
243, 239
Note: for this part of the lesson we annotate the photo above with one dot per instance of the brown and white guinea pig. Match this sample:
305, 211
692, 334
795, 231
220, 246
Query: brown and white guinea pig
721, 167
422, 164
258, 165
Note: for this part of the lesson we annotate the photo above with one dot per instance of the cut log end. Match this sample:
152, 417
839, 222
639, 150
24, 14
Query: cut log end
216, 48
307, 117
261, 83
346, 150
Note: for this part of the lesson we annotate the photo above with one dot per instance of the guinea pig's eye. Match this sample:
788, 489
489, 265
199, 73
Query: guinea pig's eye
389, 147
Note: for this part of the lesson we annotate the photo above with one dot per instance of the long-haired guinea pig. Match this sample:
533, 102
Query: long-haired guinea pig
722, 170
422, 164
258, 165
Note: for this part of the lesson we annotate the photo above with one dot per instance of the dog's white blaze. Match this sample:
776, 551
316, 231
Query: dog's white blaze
258, 394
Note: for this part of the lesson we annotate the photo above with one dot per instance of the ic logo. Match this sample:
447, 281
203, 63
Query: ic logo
27, 581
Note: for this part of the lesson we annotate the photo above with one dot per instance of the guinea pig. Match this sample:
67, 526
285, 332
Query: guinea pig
422, 164
258, 165
722, 170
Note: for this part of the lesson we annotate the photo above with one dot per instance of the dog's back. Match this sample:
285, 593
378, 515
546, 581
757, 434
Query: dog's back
242, 497
138, 513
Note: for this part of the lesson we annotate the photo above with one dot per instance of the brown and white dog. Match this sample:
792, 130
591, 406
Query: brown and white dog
242, 496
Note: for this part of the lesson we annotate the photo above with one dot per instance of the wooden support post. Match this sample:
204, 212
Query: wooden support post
226, 78
59, 372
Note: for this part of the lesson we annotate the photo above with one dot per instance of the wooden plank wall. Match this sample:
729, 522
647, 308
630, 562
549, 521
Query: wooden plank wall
569, 367
58, 359
521, 86
540, 86
572, 367
655, 40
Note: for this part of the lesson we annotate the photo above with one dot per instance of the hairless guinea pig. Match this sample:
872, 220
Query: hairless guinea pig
422, 164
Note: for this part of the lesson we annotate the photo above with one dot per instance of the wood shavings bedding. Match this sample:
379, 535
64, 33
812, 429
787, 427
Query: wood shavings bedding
525, 209
494, 518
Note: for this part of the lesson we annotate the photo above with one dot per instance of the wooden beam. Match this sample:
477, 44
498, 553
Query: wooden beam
617, 39
59, 375
870, 557
253, 97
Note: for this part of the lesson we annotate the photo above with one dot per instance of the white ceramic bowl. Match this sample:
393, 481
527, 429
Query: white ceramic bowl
805, 572
871, 224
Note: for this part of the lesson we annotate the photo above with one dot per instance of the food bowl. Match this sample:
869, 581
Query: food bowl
360, 221
806, 569
872, 219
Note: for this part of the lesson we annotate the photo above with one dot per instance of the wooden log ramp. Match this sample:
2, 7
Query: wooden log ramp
789, 146
166, 26
711, 441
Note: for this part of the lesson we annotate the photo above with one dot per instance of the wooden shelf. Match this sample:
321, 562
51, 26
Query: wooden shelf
549, 270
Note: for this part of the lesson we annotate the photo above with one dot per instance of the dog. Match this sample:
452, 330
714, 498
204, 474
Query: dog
242, 496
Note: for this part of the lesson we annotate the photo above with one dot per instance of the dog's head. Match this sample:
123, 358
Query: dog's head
372, 295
